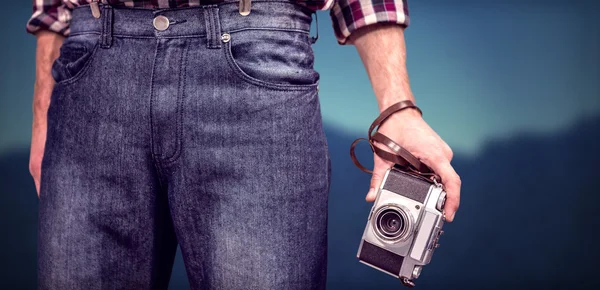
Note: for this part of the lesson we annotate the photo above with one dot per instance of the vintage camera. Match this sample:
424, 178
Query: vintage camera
404, 225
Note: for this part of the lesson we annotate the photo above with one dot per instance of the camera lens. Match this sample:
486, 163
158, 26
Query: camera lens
390, 223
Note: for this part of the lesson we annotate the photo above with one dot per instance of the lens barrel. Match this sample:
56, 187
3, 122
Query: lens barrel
391, 223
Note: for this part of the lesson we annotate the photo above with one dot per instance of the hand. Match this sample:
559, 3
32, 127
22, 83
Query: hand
409, 130
382, 48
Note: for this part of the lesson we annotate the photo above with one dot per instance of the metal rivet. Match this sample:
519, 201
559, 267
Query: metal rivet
161, 22
225, 37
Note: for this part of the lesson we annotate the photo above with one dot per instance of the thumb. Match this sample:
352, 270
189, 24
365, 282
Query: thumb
379, 169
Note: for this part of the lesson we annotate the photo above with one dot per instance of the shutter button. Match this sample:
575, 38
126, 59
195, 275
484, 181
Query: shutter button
161, 22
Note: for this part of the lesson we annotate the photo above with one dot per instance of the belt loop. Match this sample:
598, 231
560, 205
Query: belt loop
107, 26
314, 38
213, 26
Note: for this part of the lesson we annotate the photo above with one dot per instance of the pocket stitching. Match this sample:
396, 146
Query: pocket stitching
84, 69
244, 76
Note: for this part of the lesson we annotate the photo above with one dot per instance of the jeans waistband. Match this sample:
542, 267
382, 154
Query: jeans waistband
197, 21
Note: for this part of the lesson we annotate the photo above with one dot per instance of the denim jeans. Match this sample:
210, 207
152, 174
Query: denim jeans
202, 131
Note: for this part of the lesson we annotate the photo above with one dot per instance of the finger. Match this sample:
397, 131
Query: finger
379, 169
452, 184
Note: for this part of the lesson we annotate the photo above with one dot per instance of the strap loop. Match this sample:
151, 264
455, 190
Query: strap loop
107, 26
402, 159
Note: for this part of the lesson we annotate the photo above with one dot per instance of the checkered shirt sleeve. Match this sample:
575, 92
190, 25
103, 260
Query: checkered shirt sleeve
50, 15
350, 15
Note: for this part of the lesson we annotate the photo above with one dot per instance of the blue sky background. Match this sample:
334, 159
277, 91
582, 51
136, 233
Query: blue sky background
513, 87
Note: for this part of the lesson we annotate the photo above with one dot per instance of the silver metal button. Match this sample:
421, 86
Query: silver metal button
416, 271
161, 22
225, 37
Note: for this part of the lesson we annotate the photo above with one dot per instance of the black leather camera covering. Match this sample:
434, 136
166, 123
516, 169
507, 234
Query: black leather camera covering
407, 185
381, 258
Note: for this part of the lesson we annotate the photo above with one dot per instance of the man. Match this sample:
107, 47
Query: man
198, 123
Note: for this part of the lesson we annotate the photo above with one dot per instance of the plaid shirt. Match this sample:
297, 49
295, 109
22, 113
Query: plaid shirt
347, 15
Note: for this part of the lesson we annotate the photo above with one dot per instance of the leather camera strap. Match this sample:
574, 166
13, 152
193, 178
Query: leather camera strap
402, 159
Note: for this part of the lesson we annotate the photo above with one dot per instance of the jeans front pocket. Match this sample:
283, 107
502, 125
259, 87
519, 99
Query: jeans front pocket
274, 58
76, 54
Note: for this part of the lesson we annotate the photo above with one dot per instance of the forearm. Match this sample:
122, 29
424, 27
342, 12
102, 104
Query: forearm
48, 49
383, 52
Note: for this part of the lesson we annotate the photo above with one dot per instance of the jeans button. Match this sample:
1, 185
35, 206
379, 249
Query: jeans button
160, 22
225, 37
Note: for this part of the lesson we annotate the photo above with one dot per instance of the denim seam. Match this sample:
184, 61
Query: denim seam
141, 36
201, 35
160, 37
271, 29
152, 131
238, 71
180, 97
85, 32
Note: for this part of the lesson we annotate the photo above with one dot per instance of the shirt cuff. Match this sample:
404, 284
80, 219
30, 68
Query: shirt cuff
350, 15
56, 22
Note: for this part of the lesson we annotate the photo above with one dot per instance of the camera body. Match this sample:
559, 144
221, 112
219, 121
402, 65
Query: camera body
404, 226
